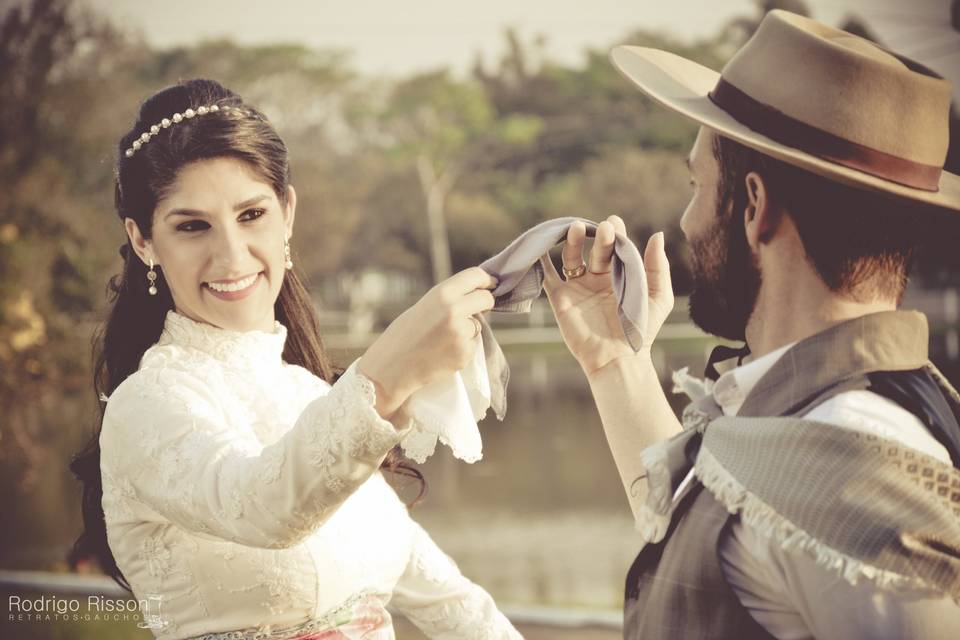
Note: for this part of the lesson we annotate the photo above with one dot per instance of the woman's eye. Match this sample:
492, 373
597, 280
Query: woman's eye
258, 212
190, 226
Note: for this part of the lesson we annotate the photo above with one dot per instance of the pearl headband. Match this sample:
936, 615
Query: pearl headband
175, 118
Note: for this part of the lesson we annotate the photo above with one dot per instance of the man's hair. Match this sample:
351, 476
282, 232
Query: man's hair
861, 243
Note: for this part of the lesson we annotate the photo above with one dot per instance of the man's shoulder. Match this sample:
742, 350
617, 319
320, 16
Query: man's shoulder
793, 595
868, 412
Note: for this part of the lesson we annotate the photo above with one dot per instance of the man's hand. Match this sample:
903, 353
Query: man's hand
586, 307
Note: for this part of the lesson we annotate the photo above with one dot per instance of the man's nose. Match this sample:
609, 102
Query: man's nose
683, 221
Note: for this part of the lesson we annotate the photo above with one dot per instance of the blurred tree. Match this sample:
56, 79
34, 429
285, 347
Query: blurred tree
648, 189
740, 29
45, 280
582, 109
448, 128
55, 60
296, 86
603, 147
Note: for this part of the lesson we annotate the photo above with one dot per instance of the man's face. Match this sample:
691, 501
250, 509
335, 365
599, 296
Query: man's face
726, 279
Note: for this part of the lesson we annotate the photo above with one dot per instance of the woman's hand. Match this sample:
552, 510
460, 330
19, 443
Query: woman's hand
435, 337
586, 307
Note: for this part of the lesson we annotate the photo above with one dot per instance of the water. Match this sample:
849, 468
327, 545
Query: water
543, 518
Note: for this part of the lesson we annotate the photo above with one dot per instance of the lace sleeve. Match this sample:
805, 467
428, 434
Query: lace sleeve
164, 434
441, 602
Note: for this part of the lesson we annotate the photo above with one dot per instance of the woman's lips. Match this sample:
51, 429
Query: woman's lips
234, 295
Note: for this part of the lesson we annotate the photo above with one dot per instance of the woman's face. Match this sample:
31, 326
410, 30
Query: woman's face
220, 224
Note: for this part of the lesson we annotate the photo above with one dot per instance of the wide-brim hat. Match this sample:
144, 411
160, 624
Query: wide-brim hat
818, 98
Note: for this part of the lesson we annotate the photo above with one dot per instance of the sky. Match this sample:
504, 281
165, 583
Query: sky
399, 37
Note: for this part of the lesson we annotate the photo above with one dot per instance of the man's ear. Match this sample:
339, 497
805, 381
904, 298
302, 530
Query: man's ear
142, 246
290, 210
760, 218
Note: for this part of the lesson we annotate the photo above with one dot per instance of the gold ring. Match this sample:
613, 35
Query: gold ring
576, 272
476, 327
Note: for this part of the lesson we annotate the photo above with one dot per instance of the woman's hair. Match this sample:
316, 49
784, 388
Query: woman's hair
136, 319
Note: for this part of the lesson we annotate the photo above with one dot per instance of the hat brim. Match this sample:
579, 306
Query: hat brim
682, 86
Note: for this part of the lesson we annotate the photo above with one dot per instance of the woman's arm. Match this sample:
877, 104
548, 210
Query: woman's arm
164, 438
434, 338
164, 435
441, 602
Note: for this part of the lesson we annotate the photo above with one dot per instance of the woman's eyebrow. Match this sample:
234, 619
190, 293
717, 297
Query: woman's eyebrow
196, 212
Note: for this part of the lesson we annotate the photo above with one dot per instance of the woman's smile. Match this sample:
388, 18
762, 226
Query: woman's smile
236, 290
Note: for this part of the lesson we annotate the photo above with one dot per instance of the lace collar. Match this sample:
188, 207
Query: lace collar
243, 349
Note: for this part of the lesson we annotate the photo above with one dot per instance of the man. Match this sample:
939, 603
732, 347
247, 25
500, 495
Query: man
815, 490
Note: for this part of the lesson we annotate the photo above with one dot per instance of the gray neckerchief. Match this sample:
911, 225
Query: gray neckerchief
520, 277
864, 506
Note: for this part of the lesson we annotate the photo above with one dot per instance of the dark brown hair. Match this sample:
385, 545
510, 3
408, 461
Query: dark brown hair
861, 243
135, 319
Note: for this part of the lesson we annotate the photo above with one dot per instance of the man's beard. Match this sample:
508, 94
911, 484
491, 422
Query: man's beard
726, 281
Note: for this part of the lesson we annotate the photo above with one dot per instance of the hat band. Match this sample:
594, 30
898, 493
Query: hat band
787, 130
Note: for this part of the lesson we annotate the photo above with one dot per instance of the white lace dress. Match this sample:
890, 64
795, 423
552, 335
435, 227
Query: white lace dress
243, 500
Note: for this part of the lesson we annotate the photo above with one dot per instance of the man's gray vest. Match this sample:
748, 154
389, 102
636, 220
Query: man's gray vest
676, 588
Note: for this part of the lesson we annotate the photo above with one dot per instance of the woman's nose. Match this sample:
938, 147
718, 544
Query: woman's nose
230, 247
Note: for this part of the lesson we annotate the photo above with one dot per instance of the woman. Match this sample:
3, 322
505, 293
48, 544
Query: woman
240, 484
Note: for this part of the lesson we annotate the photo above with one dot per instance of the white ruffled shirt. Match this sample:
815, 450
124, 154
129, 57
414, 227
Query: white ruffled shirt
243, 493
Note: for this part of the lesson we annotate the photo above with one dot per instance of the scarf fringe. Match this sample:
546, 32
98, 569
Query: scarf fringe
765, 520
653, 517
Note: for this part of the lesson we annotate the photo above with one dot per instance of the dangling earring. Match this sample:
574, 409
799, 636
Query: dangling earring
286, 254
152, 279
